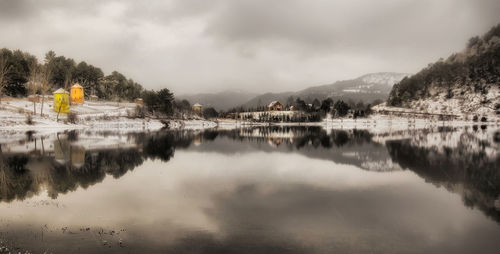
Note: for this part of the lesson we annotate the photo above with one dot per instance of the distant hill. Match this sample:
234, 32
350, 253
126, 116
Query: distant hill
467, 83
367, 88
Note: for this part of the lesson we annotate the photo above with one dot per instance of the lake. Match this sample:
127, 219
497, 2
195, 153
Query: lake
252, 190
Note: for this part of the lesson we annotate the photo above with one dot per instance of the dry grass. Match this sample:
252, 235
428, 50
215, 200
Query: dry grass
72, 117
29, 119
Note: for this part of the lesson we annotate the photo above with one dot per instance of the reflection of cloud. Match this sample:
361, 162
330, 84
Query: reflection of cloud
204, 242
240, 198
283, 218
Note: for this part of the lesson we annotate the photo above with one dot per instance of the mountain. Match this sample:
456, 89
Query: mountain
220, 101
367, 88
466, 83
377, 85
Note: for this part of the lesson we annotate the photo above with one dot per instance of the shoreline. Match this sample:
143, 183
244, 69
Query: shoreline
124, 124
120, 118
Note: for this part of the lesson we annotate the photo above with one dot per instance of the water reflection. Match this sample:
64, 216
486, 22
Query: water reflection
64, 162
269, 189
470, 166
68, 162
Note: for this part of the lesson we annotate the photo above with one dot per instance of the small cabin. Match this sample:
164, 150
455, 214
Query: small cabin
139, 101
61, 101
197, 107
93, 98
275, 106
76, 94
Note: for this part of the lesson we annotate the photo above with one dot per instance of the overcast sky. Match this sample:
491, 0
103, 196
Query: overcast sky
253, 45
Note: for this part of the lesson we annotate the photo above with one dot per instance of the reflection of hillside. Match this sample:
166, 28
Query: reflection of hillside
353, 147
70, 160
463, 161
468, 166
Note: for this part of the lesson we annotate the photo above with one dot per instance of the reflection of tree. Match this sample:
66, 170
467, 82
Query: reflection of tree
15, 180
300, 137
210, 135
97, 165
469, 172
160, 146
71, 166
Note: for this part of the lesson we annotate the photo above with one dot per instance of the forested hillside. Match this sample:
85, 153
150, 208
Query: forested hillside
22, 73
464, 83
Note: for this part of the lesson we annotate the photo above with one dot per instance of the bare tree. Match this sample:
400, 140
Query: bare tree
34, 81
46, 85
5, 68
67, 80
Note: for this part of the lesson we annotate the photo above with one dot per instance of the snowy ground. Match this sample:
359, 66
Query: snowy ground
465, 104
104, 116
378, 123
95, 115
116, 117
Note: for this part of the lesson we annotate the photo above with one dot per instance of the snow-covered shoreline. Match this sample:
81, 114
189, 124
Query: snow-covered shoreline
118, 118
15, 113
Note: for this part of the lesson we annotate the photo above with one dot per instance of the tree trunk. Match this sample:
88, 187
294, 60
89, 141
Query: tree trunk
43, 148
58, 111
41, 109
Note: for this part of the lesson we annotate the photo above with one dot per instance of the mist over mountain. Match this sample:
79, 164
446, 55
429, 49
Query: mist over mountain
219, 101
367, 88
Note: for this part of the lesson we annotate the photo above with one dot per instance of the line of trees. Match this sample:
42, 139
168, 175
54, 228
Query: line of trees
312, 112
159, 103
22, 74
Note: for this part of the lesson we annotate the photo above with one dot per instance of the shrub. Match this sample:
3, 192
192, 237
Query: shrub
210, 113
72, 117
105, 117
29, 119
140, 111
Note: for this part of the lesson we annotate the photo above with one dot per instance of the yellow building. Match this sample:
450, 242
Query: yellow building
139, 101
197, 107
61, 101
76, 94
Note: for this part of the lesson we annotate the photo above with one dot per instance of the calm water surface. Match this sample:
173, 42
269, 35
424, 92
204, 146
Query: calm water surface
256, 190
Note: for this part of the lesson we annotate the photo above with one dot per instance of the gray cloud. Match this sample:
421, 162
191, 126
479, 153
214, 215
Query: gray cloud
347, 25
256, 45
